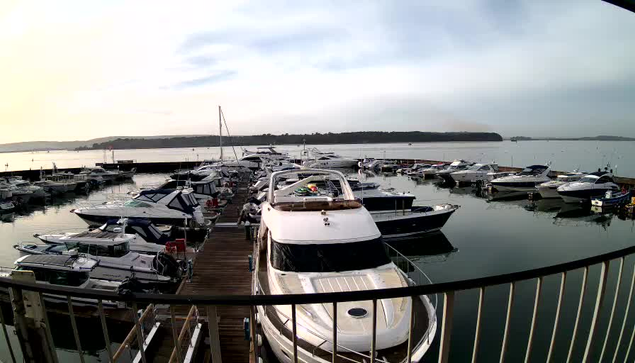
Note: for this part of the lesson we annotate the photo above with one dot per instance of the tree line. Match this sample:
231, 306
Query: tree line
366, 137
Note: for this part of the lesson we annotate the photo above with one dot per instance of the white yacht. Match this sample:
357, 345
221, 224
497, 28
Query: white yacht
338, 248
592, 185
432, 170
100, 174
550, 189
476, 172
141, 235
456, 165
525, 181
171, 207
329, 160
267, 152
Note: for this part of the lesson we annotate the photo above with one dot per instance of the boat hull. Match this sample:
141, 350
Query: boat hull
412, 224
548, 192
98, 220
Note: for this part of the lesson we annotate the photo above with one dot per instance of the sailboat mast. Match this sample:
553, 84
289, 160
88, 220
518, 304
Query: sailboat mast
220, 132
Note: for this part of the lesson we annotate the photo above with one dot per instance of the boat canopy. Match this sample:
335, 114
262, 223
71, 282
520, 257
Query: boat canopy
172, 199
534, 170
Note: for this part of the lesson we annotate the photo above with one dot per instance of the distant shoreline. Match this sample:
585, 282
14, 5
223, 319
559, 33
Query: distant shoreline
298, 139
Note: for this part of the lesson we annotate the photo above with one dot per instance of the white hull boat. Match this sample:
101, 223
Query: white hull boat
175, 208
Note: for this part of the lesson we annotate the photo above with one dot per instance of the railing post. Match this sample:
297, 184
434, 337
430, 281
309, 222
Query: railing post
254, 334
533, 319
596, 312
295, 333
577, 317
628, 307
334, 358
446, 326
617, 295
6, 335
78, 343
510, 305
140, 338
563, 281
477, 332
175, 338
410, 327
104, 329
214, 337
373, 342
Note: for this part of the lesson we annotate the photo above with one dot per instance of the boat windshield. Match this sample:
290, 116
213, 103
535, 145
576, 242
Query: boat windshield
136, 204
332, 257
588, 179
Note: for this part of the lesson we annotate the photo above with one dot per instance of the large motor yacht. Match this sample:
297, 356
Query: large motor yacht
592, 185
326, 241
525, 181
171, 207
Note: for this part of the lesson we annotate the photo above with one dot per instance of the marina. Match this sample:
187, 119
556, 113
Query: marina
478, 228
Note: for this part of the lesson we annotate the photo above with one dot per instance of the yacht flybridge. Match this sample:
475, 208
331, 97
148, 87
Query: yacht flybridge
172, 207
314, 240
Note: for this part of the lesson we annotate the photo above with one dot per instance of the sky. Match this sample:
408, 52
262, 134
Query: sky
75, 70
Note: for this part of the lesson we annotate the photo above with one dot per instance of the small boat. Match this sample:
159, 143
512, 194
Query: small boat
550, 189
413, 222
611, 199
525, 181
456, 165
143, 236
116, 261
6, 206
65, 270
100, 174
592, 185
171, 207
473, 174
329, 160
384, 199
369, 164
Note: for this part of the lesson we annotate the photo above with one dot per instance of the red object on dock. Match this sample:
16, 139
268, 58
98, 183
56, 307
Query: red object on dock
178, 245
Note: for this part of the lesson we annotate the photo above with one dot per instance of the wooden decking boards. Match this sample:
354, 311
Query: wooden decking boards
221, 267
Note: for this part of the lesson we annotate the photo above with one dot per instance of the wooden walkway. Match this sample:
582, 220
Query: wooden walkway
221, 267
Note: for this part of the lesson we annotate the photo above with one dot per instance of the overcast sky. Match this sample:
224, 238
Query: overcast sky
85, 69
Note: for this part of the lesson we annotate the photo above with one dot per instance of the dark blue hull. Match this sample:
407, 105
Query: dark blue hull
413, 225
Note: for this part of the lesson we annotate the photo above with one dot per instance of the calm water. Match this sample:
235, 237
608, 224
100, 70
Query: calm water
564, 155
482, 238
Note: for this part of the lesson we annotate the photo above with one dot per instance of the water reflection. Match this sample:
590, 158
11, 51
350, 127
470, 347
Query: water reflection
429, 248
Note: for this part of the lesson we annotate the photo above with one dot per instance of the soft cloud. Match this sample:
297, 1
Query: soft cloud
516, 67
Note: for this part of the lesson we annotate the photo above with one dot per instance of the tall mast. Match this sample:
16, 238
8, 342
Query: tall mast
220, 132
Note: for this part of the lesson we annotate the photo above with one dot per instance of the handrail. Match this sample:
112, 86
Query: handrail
248, 300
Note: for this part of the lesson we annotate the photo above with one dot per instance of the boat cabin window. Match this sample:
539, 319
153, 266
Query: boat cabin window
604, 179
57, 277
333, 257
533, 170
117, 250
203, 189
151, 197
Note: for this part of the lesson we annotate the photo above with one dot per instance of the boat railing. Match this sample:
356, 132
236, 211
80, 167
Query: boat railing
601, 330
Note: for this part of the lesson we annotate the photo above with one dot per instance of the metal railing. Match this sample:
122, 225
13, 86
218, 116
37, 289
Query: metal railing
594, 343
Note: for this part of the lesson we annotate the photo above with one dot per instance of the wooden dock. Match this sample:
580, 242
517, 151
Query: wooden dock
221, 267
